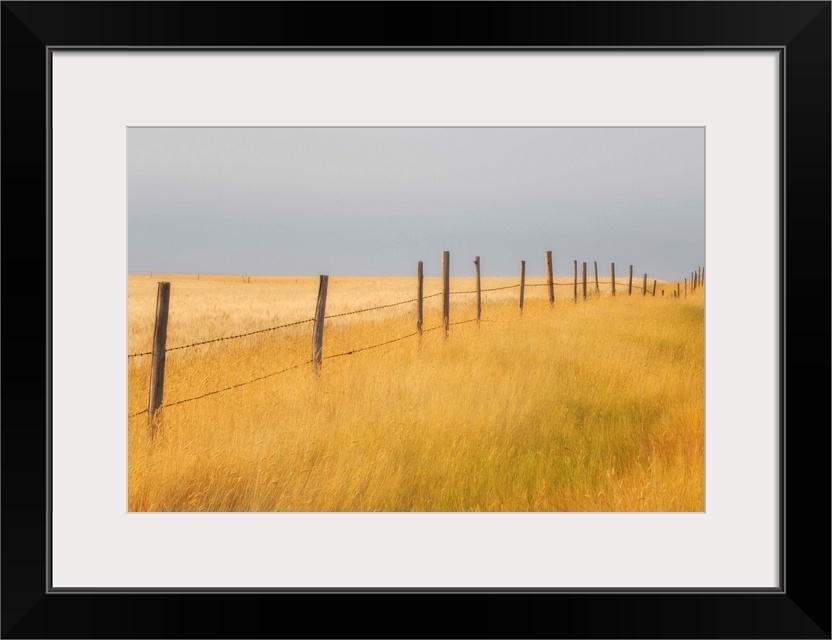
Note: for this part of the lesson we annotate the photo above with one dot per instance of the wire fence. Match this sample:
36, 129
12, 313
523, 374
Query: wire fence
296, 366
420, 331
308, 320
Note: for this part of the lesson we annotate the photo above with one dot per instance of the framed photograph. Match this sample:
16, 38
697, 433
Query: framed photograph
242, 150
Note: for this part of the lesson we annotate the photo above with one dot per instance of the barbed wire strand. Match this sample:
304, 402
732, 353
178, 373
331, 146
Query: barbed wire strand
546, 284
572, 284
240, 335
283, 326
381, 344
374, 346
236, 386
347, 313
511, 286
383, 306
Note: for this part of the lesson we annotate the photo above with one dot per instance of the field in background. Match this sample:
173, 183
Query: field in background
594, 406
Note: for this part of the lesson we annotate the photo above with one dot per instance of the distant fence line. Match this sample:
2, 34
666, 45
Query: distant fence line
159, 348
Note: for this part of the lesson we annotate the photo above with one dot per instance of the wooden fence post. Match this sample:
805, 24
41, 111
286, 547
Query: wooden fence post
549, 281
703, 275
420, 290
479, 289
522, 282
446, 297
612, 277
157, 365
318, 331
575, 281
597, 287
678, 289
686, 288
644, 288
654, 288
583, 272
630, 288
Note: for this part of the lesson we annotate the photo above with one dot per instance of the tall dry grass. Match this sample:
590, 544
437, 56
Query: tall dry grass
594, 406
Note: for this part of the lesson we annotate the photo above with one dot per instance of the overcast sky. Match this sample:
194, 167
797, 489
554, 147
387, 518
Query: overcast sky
374, 201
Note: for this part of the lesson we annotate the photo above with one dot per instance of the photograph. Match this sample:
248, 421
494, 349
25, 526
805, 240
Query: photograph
416, 319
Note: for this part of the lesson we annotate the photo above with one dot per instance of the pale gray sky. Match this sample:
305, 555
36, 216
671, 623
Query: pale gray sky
374, 201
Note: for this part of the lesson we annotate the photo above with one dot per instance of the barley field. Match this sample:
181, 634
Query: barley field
590, 406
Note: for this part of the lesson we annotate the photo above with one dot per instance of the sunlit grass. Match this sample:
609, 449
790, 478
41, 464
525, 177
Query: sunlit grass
594, 406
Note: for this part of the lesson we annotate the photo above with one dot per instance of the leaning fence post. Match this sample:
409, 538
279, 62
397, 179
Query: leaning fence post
157, 366
644, 288
583, 273
597, 287
612, 277
703, 276
318, 331
574, 281
522, 282
479, 289
630, 288
446, 299
420, 290
549, 280
654, 288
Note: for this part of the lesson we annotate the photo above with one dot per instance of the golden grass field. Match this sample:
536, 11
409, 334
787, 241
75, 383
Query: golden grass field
594, 406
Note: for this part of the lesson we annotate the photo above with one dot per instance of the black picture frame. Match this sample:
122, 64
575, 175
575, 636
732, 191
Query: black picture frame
800, 608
